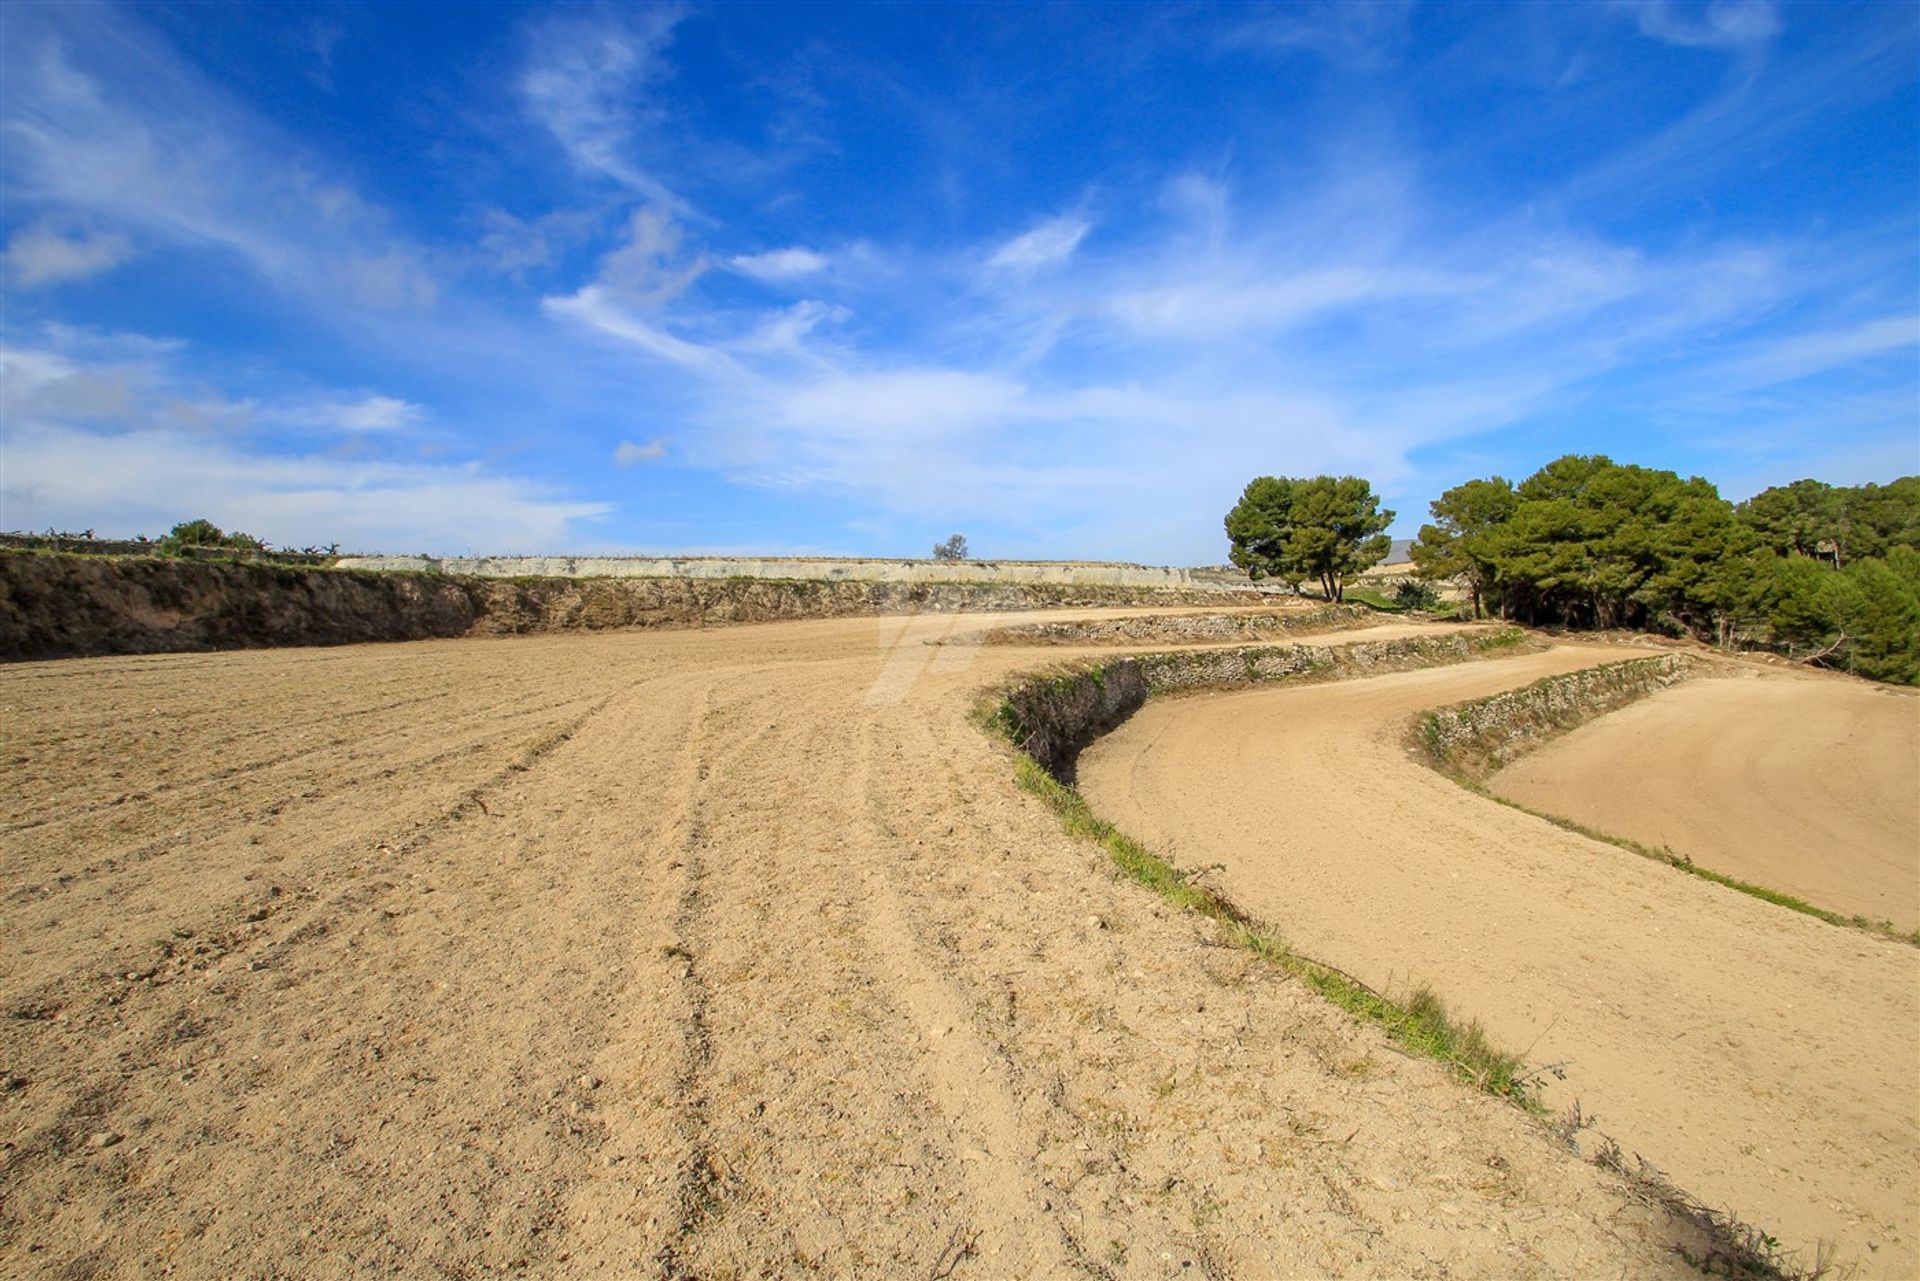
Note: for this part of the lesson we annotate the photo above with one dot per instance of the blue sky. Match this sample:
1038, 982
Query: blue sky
521, 279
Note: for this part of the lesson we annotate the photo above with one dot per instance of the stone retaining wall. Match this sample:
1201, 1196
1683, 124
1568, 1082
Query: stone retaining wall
825, 569
1053, 717
1179, 628
1475, 740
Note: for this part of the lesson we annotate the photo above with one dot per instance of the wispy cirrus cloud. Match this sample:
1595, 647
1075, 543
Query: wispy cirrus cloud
45, 254
591, 306
1050, 243
371, 412
150, 478
1361, 35
1722, 24
1254, 341
105, 430
628, 454
1090, 361
585, 82
99, 116
1772, 361
780, 265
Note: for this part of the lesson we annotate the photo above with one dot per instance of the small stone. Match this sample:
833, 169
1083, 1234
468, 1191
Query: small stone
104, 1139
1096, 922
587, 1081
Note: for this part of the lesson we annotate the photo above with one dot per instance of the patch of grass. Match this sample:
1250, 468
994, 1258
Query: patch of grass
1420, 1026
1372, 599
1390, 603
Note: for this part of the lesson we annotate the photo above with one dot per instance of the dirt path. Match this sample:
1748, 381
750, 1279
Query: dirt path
674, 954
1764, 1060
1826, 772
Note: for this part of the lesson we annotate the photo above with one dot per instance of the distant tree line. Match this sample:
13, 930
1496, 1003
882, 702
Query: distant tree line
1812, 570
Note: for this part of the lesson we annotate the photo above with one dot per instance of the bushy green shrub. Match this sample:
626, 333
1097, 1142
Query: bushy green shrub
204, 533
1414, 594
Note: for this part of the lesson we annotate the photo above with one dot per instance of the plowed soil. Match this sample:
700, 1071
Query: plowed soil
1762, 1059
714, 954
1811, 785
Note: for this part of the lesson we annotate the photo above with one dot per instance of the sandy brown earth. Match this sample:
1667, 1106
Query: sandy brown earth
1810, 784
1765, 1060
709, 954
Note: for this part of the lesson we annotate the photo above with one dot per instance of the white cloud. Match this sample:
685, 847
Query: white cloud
125, 380
41, 254
378, 413
105, 432
145, 481
783, 331
907, 406
1050, 243
591, 306
1797, 356
389, 281
1360, 35
1309, 340
585, 82
368, 413
1726, 24
514, 246
649, 267
779, 264
626, 454
36, 382
1205, 307
98, 116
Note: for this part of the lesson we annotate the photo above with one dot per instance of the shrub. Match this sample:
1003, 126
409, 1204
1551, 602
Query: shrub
1414, 594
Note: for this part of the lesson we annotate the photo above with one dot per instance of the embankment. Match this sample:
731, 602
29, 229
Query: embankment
1052, 717
60, 606
1475, 739
1178, 629
833, 569
1761, 1058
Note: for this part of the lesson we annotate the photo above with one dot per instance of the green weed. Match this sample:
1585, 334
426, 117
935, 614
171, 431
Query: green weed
1420, 1026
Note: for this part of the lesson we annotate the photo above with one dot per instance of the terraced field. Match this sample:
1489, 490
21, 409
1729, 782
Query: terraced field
1811, 784
697, 953
1762, 1059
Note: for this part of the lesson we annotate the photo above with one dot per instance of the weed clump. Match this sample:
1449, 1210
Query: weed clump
1420, 1025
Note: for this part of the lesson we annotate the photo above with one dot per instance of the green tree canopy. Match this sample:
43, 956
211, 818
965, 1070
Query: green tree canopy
1879, 518
1463, 543
1797, 519
1826, 574
1326, 528
1592, 542
1811, 518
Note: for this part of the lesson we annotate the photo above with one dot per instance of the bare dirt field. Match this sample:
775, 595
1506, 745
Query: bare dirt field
1799, 782
711, 953
1763, 1059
